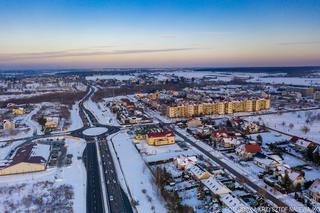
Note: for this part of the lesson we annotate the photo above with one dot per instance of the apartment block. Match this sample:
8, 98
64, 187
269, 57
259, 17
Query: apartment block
220, 108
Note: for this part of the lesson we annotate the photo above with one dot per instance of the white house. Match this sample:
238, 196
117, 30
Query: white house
236, 205
198, 172
315, 190
215, 186
182, 162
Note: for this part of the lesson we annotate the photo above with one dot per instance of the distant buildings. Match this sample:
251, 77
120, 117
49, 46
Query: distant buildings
220, 108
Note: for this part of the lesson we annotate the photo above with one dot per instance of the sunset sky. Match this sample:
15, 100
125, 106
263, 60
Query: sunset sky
158, 33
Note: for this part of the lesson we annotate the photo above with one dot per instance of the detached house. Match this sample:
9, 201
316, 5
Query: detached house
198, 172
8, 124
18, 111
315, 190
247, 151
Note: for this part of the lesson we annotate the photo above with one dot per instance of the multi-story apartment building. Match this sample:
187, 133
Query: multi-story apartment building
220, 108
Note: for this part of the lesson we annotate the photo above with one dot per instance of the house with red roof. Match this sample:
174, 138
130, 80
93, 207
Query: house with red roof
247, 151
160, 138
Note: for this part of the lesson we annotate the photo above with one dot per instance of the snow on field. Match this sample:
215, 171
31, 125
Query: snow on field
76, 121
270, 137
299, 120
137, 175
17, 96
73, 175
102, 113
106, 77
292, 161
287, 80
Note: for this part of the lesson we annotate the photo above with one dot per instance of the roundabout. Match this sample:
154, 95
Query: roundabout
95, 131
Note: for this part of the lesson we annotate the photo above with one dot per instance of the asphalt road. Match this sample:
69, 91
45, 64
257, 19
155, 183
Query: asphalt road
116, 198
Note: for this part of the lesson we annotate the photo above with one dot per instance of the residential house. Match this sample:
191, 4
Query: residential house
8, 124
315, 190
183, 162
198, 173
215, 186
193, 123
247, 151
51, 122
230, 142
18, 111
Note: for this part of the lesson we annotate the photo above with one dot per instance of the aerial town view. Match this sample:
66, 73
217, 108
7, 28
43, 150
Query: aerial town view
170, 106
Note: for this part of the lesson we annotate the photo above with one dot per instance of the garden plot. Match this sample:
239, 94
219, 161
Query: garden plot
271, 137
304, 124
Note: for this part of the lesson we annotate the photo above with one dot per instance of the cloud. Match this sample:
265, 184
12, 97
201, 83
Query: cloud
83, 52
298, 43
200, 33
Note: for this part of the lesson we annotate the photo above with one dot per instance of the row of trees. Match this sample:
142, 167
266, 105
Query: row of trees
163, 177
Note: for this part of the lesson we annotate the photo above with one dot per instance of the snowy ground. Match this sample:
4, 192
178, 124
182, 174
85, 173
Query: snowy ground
73, 175
137, 175
75, 120
282, 122
270, 137
101, 112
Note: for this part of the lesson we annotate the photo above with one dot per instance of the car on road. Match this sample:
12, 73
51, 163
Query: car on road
111, 198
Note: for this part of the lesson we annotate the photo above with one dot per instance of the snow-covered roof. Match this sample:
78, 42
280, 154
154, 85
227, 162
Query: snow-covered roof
216, 186
264, 161
196, 170
183, 160
293, 175
302, 143
315, 186
235, 204
41, 150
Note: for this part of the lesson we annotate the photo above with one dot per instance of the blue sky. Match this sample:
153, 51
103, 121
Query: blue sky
58, 34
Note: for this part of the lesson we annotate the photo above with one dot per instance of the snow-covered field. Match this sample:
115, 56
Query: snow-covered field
137, 175
106, 77
287, 80
305, 124
270, 137
101, 112
72, 177
75, 120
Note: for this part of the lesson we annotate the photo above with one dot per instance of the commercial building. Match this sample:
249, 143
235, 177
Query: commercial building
28, 158
160, 138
